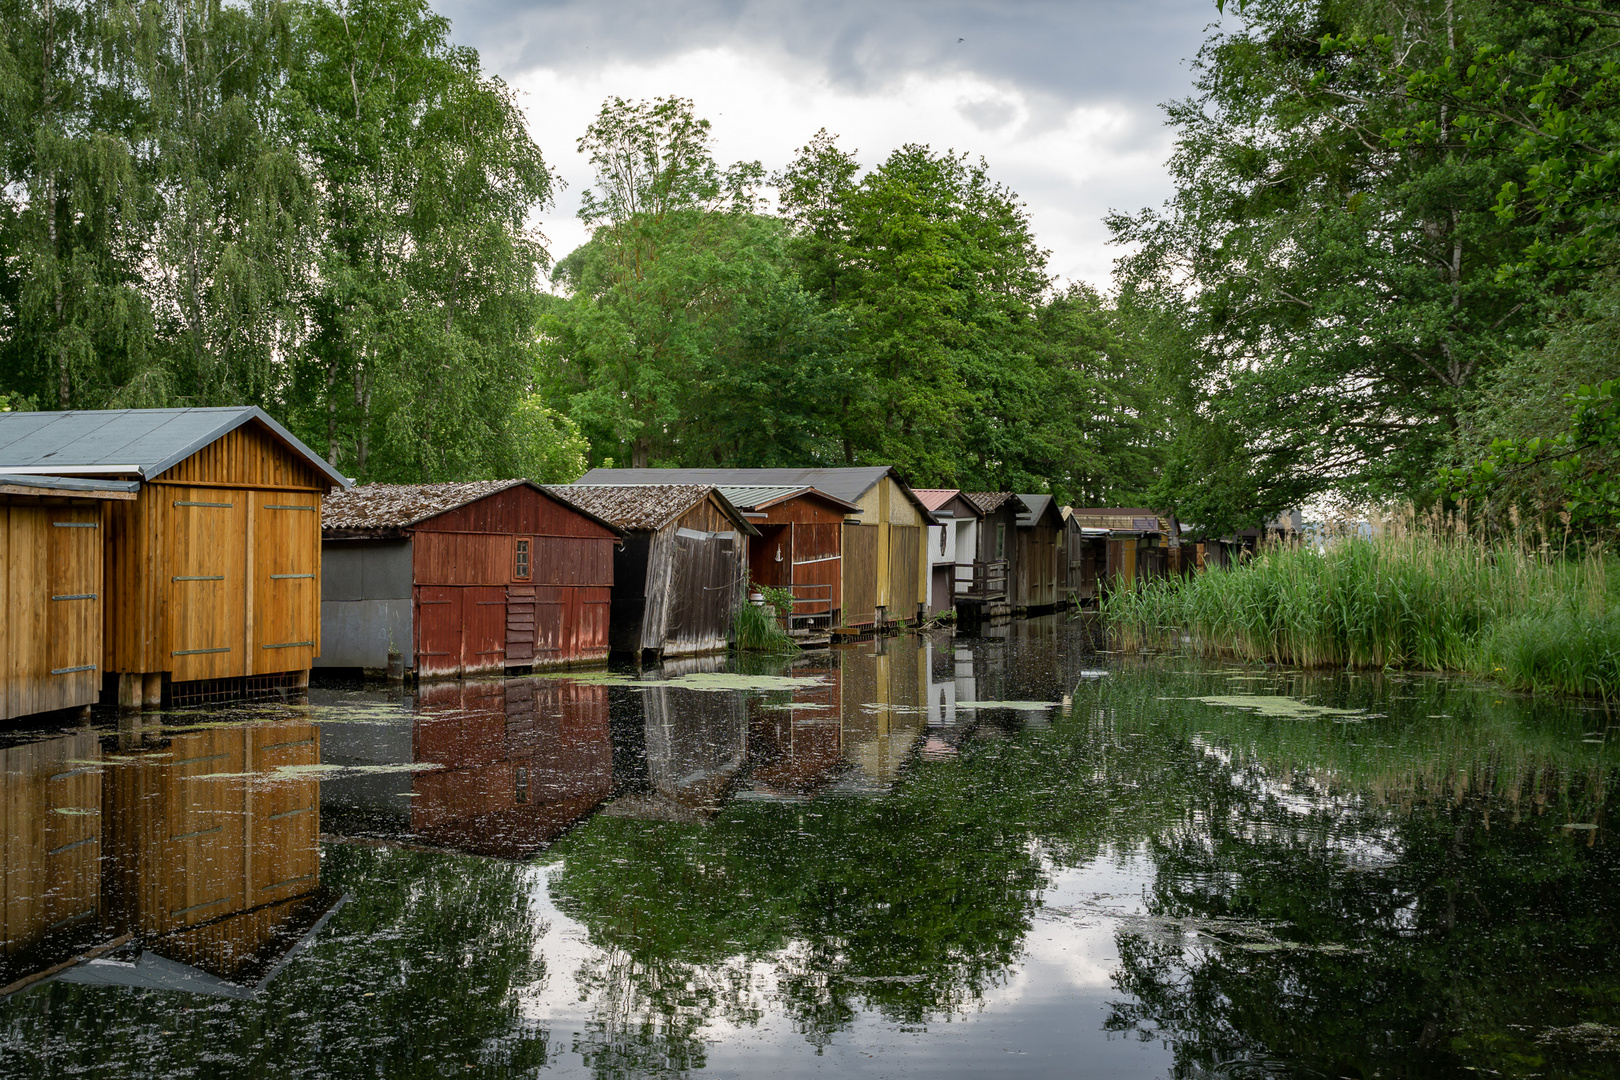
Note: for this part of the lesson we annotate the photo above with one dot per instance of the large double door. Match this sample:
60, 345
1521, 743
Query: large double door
243, 585
460, 629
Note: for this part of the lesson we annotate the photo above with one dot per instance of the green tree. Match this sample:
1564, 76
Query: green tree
1343, 277
76, 211
428, 281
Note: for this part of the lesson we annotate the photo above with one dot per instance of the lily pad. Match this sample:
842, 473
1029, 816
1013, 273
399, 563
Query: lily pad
727, 680
1285, 707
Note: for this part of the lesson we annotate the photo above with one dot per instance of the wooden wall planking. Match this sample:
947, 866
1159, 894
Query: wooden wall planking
205, 571
860, 545
50, 610
906, 584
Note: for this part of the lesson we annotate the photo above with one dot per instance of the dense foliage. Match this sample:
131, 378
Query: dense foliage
320, 208
1391, 220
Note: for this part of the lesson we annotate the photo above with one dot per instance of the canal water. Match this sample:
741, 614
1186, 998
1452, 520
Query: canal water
922, 856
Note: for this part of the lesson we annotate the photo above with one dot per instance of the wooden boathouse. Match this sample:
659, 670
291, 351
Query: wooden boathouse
51, 607
446, 580
952, 545
1085, 557
799, 547
989, 591
212, 572
1037, 579
681, 569
1137, 543
883, 562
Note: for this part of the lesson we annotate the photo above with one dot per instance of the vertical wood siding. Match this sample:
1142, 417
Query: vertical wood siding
558, 615
50, 605
906, 580
1036, 574
860, 543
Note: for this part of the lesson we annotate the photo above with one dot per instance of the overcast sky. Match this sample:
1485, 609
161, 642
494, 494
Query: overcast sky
1061, 98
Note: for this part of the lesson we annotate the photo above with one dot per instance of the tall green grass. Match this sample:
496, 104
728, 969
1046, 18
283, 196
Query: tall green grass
754, 628
1406, 598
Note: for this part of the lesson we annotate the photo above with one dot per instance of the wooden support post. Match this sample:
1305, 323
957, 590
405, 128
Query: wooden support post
301, 681
129, 690
152, 690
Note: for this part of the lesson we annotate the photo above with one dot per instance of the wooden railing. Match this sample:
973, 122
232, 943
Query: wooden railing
810, 602
989, 580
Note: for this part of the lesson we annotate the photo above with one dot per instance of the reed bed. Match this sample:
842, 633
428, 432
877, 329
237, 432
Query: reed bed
1405, 597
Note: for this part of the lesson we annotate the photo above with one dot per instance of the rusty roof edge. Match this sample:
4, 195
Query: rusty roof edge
806, 490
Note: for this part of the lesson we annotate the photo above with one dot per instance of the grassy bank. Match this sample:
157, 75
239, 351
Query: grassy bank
1409, 599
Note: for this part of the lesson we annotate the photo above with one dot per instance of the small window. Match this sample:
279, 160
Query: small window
1001, 539
942, 529
520, 781
521, 570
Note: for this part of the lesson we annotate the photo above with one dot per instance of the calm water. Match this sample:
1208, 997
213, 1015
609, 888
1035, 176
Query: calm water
1108, 866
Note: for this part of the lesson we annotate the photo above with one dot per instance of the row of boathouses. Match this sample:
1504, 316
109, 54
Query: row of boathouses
186, 555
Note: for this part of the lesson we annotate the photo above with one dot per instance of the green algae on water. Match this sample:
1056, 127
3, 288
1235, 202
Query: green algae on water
1286, 708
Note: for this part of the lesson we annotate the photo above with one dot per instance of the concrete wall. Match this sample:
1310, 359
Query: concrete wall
365, 603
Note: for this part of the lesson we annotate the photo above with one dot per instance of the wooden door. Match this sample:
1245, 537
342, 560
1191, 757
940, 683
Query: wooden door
860, 565
483, 638
207, 581
438, 630
74, 557
521, 639
286, 595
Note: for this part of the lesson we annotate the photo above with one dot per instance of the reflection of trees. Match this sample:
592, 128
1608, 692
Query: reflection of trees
1415, 910
419, 975
912, 904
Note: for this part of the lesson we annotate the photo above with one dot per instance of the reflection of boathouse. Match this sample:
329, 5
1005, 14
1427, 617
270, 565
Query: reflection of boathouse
190, 863
521, 761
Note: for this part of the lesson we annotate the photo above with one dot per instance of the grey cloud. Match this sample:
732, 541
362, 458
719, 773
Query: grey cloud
1124, 50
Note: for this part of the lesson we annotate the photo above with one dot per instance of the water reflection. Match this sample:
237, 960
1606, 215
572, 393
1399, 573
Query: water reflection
185, 861
1146, 866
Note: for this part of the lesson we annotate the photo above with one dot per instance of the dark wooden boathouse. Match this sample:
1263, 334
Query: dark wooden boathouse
456, 579
989, 593
212, 572
882, 558
799, 547
682, 568
1038, 565
51, 615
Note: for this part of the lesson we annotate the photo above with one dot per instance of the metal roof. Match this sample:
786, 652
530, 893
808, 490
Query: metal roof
399, 506
644, 507
758, 496
1035, 508
934, 498
848, 484
128, 442
85, 488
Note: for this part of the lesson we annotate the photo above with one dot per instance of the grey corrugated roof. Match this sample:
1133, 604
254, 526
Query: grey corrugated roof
747, 497
69, 485
1035, 507
640, 507
129, 442
848, 484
